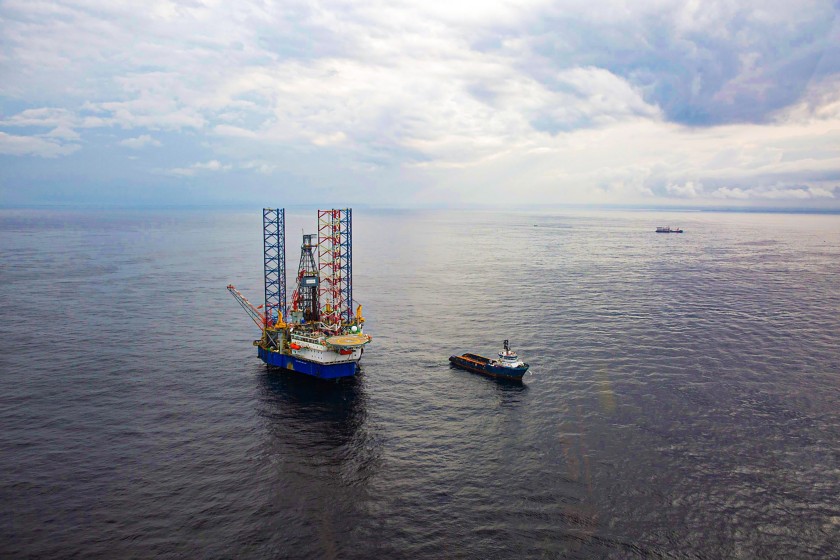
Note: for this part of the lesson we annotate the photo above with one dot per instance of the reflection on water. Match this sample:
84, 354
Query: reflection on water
318, 455
324, 423
682, 401
296, 403
509, 392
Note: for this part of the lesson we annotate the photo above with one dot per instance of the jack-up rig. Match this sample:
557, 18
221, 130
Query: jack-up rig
320, 335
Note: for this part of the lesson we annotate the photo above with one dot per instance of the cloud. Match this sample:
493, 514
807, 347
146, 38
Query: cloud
212, 165
726, 192
820, 102
153, 113
46, 117
703, 63
234, 131
329, 139
685, 190
260, 167
34, 146
498, 100
794, 192
140, 142
63, 133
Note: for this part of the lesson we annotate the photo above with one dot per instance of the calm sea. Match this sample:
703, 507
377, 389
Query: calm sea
683, 399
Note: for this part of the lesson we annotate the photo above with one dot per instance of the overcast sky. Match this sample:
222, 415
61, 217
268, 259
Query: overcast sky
399, 103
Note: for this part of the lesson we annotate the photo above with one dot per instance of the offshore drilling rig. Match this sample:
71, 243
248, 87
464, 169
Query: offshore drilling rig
319, 335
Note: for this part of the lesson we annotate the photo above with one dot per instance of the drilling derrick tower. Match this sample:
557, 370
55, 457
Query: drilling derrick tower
274, 251
305, 297
335, 266
319, 336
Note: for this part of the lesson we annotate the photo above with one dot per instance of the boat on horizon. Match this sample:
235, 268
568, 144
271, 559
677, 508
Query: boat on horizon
668, 229
507, 366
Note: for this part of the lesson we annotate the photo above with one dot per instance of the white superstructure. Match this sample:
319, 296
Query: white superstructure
318, 350
508, 358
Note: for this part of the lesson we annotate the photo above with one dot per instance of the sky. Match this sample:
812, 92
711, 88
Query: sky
432, 103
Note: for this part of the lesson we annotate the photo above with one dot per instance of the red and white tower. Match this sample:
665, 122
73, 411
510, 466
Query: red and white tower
335, 266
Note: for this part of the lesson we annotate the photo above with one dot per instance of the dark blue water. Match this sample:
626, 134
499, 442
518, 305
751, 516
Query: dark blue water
683, 399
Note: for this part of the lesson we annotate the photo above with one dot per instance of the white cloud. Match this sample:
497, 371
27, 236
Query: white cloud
234, 131
733, 193
260, 167
472, 98
46, 117
140, 142
329, 139
212, 165
64, 133
774, 193
153, 113
34, 146
820, 192
820, 102
685, 190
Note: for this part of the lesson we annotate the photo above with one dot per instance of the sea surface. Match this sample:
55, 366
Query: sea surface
683, 399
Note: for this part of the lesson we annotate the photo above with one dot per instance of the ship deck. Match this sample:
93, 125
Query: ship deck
480, 360
482, 365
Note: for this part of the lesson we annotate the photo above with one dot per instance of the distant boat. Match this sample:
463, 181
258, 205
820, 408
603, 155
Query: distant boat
668, 229
508, 366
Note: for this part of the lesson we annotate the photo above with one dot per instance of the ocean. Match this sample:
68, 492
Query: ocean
683, 399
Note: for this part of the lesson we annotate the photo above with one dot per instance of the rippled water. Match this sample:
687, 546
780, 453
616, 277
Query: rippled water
683, 398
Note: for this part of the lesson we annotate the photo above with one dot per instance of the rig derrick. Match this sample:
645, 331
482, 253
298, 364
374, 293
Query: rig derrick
320, 335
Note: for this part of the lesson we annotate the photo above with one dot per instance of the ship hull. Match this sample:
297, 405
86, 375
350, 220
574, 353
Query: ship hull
486, 368
306, 367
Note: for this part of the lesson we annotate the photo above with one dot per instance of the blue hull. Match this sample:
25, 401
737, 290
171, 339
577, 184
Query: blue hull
321, 371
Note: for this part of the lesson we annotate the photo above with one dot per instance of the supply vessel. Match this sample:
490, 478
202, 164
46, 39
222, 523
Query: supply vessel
319, 334
508, 366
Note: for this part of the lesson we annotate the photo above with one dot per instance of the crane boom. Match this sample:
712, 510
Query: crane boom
253, 312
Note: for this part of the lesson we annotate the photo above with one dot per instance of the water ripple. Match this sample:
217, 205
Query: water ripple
681, 402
